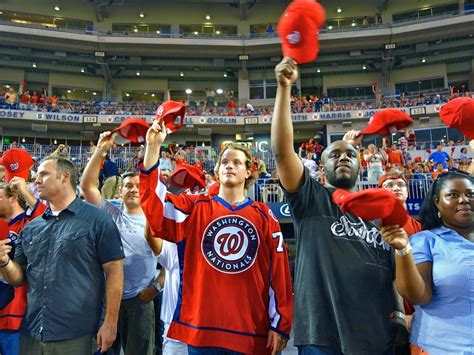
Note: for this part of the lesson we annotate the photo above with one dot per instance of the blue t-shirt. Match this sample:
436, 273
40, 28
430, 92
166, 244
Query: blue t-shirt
440, 157
446, 324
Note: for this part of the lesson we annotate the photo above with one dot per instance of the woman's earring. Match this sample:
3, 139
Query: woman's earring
439, 214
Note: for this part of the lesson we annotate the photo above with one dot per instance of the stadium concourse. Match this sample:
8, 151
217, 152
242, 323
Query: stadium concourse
236, 177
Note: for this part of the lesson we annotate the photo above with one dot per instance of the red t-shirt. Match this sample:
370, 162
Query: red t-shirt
12, 315
395, 157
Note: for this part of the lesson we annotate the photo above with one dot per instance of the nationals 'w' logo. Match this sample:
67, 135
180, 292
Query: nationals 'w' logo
230, 244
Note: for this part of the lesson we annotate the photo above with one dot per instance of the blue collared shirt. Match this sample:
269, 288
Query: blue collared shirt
63, 257
446, 324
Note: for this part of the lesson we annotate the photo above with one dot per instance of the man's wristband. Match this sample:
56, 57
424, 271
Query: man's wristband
4, 265
405, 251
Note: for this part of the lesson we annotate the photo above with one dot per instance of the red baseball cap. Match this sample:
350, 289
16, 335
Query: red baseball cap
459, 113
133, 130
391, 176
387, 121
172, 113
188, 176
298, 29
372, 204
17, 162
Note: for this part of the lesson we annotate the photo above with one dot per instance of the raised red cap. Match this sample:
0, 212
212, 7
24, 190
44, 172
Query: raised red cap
298, 29
459, 113
387, 121
133, 130
172, 113
17, 162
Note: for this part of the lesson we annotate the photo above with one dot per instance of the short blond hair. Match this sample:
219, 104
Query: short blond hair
248, 162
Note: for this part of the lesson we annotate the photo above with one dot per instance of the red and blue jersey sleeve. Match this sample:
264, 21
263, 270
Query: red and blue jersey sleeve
166, 214
280, 308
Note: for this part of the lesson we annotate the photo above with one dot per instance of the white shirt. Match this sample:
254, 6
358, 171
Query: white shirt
168, 258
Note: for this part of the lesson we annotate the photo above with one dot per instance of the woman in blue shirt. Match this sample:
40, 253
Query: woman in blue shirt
435, 269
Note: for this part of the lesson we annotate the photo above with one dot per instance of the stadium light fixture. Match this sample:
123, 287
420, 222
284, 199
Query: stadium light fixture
189, 91
135, 30
142, 14
127, 94
330, 27
152, 95
94, 93
83, 70
423, 60
225, 75
353, 24
34, 65
196, 33
23, 140
68, 91
208, 17
364, 67
339, 10
219, 91
218, 32
138, 73
158, 32
57, 8
318, 70
181, 74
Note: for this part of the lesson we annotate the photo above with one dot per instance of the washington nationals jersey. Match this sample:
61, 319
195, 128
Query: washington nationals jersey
235, 280
12, 315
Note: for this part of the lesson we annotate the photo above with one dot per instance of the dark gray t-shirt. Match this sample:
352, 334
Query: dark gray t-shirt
344, 274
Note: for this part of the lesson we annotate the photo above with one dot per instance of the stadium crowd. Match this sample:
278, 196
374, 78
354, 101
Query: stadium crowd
185, 225
23, 99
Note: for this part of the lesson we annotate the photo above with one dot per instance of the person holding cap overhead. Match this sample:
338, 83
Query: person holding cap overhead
344, 296
136, 321
434, 268
235, 291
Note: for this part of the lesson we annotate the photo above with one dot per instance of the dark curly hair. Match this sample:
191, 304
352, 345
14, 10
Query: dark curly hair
429, 212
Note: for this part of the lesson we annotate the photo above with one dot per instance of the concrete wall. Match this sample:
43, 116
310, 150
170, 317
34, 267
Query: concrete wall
350, 80
418, 73
12, 75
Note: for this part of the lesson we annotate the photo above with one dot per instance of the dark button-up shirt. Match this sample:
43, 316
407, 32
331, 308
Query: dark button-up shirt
63, 256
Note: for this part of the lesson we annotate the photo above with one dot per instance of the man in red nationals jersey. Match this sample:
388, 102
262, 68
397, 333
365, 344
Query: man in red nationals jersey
14, 198
235, 291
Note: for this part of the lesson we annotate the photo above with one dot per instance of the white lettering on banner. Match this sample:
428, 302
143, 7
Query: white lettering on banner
285, 210
346, 228
413, 206
49, 116
11, 114
262, 146
221, 120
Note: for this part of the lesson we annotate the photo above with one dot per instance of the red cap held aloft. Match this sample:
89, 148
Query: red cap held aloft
298, 29
172, 113
17, 162
387, 121
372, 204
188, 177
133, 130
459, 113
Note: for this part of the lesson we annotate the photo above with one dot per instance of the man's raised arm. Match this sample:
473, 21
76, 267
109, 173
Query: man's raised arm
92, 170
290, 168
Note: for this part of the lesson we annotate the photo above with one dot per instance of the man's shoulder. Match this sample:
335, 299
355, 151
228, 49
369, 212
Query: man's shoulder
90, 211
